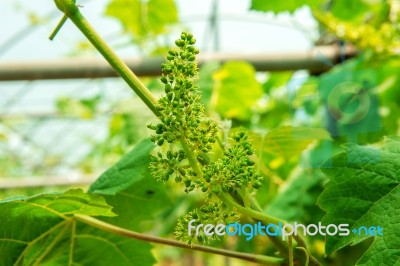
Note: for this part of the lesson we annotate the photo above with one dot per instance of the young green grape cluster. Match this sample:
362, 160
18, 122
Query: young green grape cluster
235, 169
187, 144
213, 213
182, 116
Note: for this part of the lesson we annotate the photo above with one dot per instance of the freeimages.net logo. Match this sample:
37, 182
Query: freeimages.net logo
279, 230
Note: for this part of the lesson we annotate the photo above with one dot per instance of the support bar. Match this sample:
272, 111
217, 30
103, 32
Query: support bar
316, 60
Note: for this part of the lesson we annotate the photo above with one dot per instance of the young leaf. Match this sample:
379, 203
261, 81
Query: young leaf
365, 194
41, 230
277, 80
129, 187
236, 90
131, 168
144, 18
350, 10
289, 142
141, 202
282, 6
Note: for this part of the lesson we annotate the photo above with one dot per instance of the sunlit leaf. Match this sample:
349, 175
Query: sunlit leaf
289, 141
131, 168
130, 188
282, 6
83, 108
381, 39
365, 192
349, 10
144, 19
206, 82
276, 80
236, 90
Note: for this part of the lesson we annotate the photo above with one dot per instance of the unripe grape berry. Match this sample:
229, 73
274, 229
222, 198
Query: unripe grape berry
178, 178
164, 80
187, 183
257, 184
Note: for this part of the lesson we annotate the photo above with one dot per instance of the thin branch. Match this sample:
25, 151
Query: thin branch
266, 260
36, 182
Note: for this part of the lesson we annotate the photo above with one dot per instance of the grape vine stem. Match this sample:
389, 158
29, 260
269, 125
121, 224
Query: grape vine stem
265, 260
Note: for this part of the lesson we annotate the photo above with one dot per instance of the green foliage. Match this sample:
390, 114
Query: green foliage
360, 11
206, 82
364, 191
41, 230
83, 108
354, 114
371, 25
129, 187
130, 169
289, 142
388, 93
236, 90
282, 6
296, 202
276, 80
138, 206
144, 19
381, 39
350, 10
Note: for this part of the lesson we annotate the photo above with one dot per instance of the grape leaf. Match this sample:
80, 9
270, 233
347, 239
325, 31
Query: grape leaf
40, 230
128, 186
289, 142
357, 10
349, 10
236, 90
144, 19
131, 168
365, 194
140, 205
206, 82
281, 6
276, 80
359, 118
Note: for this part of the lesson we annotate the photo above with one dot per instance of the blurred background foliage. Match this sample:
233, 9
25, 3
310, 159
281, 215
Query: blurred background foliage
288, 114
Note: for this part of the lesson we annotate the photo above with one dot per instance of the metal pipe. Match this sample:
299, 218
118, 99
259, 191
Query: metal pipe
316, 60
31, 182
